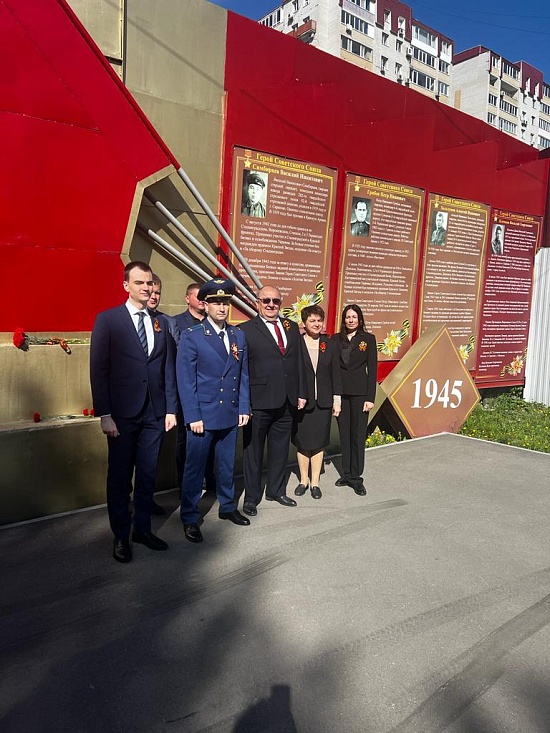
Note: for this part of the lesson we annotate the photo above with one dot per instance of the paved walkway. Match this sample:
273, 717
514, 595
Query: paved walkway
423, 607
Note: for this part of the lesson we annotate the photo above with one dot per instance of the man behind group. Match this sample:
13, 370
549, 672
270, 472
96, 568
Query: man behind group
196, 309
212, 372
132, 373
277, 388
152, 305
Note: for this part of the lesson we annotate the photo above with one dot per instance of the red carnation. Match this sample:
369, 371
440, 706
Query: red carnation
92, 412
19, 338
85, 412
36, 417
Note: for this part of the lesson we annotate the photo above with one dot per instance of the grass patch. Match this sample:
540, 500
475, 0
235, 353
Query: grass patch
509, 419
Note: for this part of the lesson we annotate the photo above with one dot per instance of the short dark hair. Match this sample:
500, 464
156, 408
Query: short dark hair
361, 201
312, 310
143, 266
351, 307
192, 286
156, 280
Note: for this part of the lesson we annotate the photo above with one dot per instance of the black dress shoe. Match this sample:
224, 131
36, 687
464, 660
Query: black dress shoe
300, 490
360, 489
316, 492
235, 516
192, 532
284, 500
157, 509
341, 482
149, 540
122, 550
250, 509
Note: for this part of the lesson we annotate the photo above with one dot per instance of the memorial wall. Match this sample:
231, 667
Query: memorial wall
369, 193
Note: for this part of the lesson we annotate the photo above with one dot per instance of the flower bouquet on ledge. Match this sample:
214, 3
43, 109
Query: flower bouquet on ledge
24, 340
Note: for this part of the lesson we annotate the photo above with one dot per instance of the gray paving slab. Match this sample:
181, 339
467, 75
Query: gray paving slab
423, 607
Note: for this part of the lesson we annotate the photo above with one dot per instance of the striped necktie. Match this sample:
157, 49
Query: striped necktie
141, 333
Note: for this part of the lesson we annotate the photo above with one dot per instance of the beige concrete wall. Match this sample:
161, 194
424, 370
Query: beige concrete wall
171, 57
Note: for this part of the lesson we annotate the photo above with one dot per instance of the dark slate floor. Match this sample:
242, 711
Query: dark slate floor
423, 607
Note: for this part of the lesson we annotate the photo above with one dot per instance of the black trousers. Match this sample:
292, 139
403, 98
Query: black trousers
273, 427
352, 423
134, 453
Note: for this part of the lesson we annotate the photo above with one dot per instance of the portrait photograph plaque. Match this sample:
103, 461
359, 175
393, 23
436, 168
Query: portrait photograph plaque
282, 221
456, 232
504, 327
379, 258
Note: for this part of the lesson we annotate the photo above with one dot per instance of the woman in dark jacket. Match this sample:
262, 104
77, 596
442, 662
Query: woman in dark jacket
311, 429
358, 364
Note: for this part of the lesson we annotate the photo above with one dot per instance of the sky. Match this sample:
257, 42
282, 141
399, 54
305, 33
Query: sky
519, 31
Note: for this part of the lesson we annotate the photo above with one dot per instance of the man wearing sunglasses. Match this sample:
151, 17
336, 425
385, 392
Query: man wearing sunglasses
277, 389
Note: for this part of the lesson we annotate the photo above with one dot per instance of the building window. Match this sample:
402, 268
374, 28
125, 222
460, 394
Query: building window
424, 36
493, 100
295, 5
446, 49
443, 88
544, 125
422, 80
354, 22
387, 17
544, 142
399, 46
545, 108
510, 70
365, 4
398, 68
546, 90
424, 58
444, 67
356, 48
491, 118
385, 39
383, 64
507, 107
507, 126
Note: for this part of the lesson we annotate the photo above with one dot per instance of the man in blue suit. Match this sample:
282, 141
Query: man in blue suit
132, 373
195, 314
212, 374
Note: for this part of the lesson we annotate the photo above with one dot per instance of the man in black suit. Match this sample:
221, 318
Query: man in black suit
132, 373
277, 388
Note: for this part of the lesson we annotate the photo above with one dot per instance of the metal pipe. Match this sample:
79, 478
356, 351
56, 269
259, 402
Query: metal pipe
209, 256
192, 265
214, 219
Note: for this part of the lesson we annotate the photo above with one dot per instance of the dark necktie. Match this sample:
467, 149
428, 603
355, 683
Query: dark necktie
224, 342
279, 335
141, 333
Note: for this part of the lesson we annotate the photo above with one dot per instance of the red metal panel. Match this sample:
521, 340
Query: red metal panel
75, 147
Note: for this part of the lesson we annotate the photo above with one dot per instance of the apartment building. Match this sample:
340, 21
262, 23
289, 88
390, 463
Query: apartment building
510, 96
378, 35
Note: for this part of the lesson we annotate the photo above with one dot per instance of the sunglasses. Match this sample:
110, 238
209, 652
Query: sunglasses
267, 301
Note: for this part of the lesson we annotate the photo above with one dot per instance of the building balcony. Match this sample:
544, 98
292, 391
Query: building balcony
305, 32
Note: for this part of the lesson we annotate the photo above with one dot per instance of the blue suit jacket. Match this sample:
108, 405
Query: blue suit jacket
213, 385
122, 375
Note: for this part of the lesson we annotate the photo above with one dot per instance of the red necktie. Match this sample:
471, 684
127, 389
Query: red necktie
279, 335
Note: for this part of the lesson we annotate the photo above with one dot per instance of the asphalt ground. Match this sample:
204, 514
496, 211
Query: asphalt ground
422, 607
